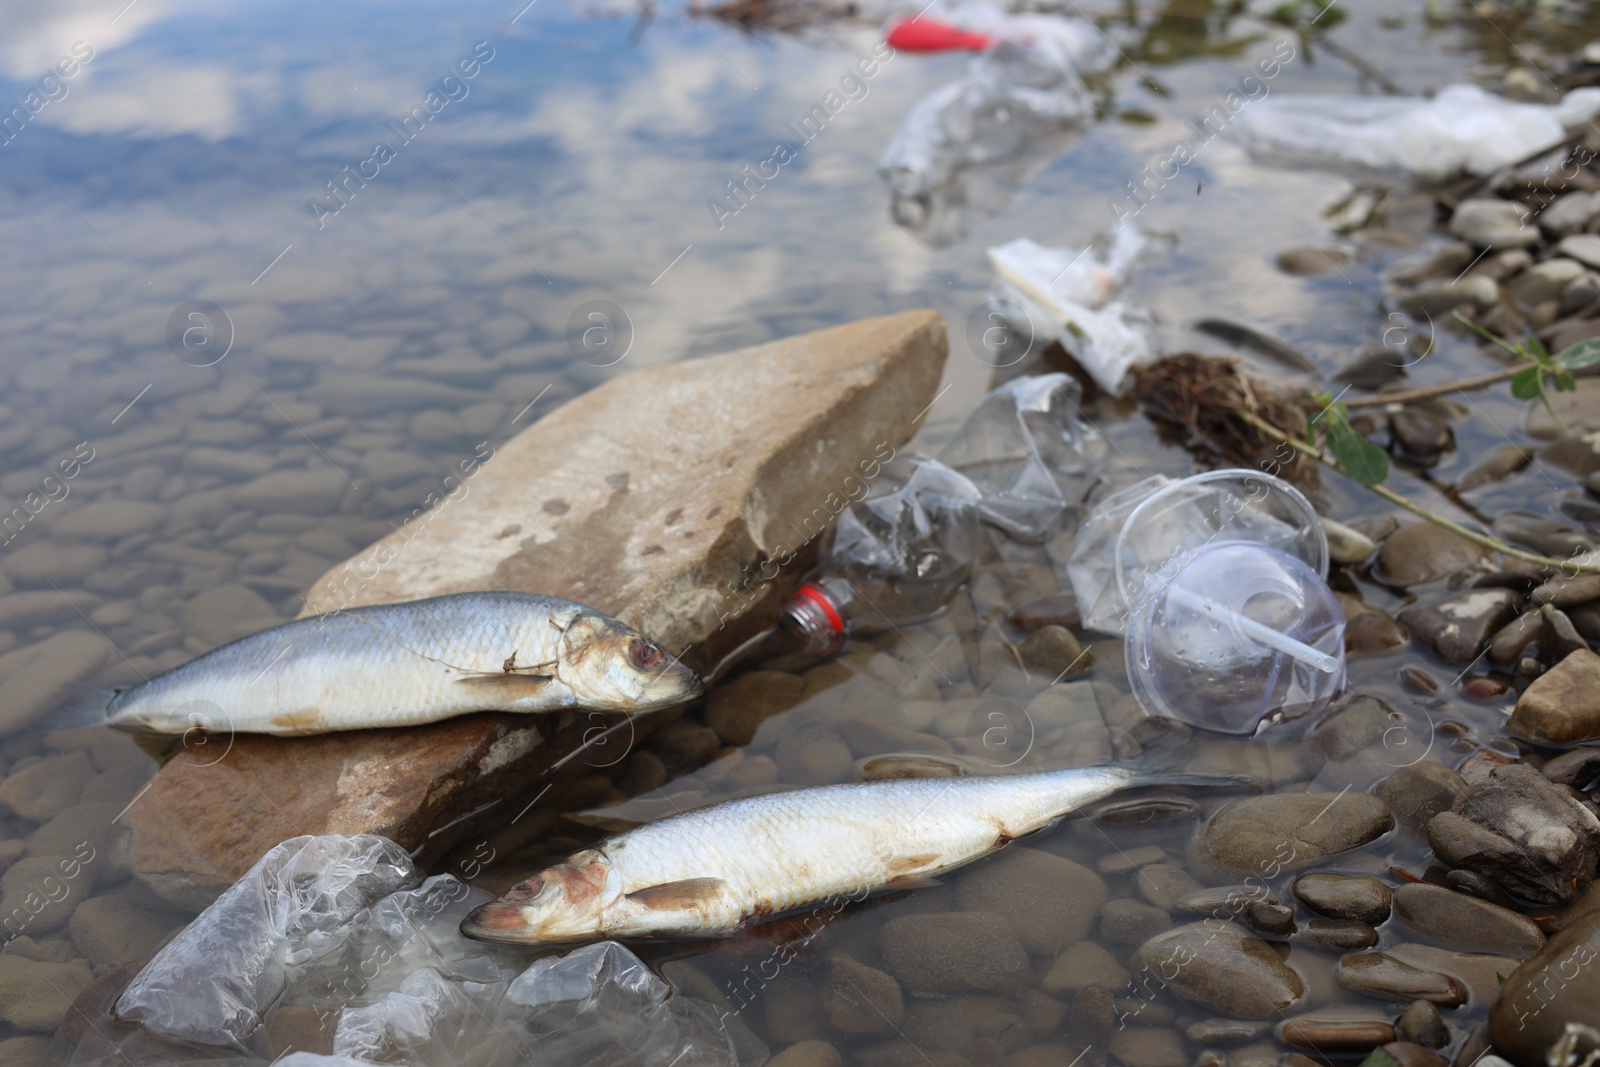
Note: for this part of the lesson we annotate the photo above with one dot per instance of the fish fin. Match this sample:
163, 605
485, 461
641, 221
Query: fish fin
502, 686
903, 865
82, 706
906, 881
688, 892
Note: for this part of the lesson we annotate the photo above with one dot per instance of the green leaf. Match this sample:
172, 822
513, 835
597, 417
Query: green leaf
1581, 355
1500, 978
1564, 382
1536, 349
1525, 386
1379, 1058
1360, 458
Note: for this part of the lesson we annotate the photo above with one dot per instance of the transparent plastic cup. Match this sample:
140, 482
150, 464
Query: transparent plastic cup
1238, 636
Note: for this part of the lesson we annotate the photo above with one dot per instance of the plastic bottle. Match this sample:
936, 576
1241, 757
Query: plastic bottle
897, 555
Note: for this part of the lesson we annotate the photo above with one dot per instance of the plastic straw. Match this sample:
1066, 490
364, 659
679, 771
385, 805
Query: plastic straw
1266, 635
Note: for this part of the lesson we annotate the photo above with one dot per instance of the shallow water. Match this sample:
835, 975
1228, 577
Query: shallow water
358, 356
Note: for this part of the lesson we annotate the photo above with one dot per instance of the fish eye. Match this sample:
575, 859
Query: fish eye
645, 655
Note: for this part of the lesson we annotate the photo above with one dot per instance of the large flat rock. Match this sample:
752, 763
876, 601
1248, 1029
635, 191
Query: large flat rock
664, 497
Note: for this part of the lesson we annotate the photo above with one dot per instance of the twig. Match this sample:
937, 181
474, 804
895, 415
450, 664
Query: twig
1492, 543
1403, 396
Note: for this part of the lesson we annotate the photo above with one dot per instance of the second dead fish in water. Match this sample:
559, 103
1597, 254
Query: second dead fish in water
710, 871
414, 662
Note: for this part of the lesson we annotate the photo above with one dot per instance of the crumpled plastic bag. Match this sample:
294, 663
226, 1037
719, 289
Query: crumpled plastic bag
1462, 129
1030, 452
211, 983
1026, 84
1070, 295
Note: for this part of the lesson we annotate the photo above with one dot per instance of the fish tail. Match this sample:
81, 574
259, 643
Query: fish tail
1235, 782
83, 706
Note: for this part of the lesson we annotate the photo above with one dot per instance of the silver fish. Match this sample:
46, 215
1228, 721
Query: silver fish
409, 663
709, 872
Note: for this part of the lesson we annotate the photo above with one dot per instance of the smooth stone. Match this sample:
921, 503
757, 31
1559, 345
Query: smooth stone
1164, 884
812, 755
1211, 1032
1410, 1054
1373, 633
226, 612
1418, 436
1041, 1011
1440, 298
1581, 293
34, 995
1542, 534
861, 1001
108, 520
1557, 635
1568, 215
36, 679
1048, 902
869, 737
113, 929
1490, 222
228, 462
1336, 935
1454, 920
1347, 547
1357, 897
1222, 968
1335, 1035
1562, 706
1420, 553
298, 492
1421, 1024
1055, 609
1544, 281
1148, 1046
44, 607
1583, 247
1506, 646
952, 952
1457, 626
1053, 652
1351, 725
1310, 260
1447, 259
1374, 974
1221, 902
1476, 885
45, 563
736, 709
1131, 922
1558, 985
1498, 463
1286, 831
1521, 831
1579, 411
812, 1052
1092, 1015
1577, 768
47, 788
1082, 965
635, 476
1269, 920
1565, 591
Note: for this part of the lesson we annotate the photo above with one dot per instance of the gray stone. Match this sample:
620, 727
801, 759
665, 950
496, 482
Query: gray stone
1457, 626
1359, 897
1559, 984
1540, 533
809, 1053
1419, 791
1148, 1046
1336, 935
1579, 412
1580, 293
113, 929
47, 788
1054, 653
1421, 1024
1163, 884
861, 1001
1568, 592
1454, 920
1346, 546
225, 612
1261, 836
1557, 636
1490, 222
1048, 902
1419, 437
46, 563
1373, 974
1498, 463
1570, 214
1440, 298
1131, 922
738, 708
1545, 281
1562, 706
1421, 552
1082, 965
298, 492
1222, 968
1506, 646
952, 952
1518, 829
35, 679
35, 995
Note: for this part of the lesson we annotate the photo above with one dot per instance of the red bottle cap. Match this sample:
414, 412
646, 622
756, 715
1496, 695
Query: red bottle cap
819, 596
931, 35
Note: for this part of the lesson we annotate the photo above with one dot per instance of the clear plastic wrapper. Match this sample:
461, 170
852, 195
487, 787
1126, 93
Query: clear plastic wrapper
1029, 451
1461, 129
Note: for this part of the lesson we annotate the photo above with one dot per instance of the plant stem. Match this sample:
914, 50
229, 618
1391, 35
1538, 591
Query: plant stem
1424, 392
1492, 543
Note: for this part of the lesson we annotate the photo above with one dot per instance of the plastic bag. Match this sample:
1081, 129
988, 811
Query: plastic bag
1027, 448
1463, 128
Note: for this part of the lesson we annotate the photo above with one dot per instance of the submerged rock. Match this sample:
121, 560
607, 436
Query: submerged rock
1518, 829
1457, 626
1557, 986
1262, 836
1374, 974
1454, 920
1048, 901
1220, 966
1561, 706
651, 524
1421, 552
952, 952
1358, 897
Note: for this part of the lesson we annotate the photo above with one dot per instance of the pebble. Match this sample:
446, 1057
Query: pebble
1499, 462
34, 679
1421, 1024
1056, 609
869, 737
1046, 901
1335, 1035
1560, 708
952, 952
33, 993
1411, 1054
1375, 974
1454, 920
1419, 437
1052, 651
1336, 935
1476, 885
1580, 293
1421, 552
810, 1053
1417, 680
1131, 922
226, 612
1092, 1015
1148, 1046
1567, 592
1163, 884
1489, 222
1559, 984
1226, 1031
113, 929
1373, 633
861, 1001
736, 709
44, 608
1440, 298
1082, 965
1269, 920
1419, 791
1577, 768
1041, 1011
1557, 635
1287, 832
1347, 547
1544, 281
1457, 626
1521, 831
1583, 247
1357, 897
1222, 968
298, 492
1542, 534
43, 791
1484, 688
1569, 214
813, 755
46, 563
1506, 646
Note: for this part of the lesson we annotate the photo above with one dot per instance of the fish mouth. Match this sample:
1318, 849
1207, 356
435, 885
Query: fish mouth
675, 685
499, 920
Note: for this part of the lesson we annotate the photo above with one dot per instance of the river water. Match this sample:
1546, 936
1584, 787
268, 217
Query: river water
199, 294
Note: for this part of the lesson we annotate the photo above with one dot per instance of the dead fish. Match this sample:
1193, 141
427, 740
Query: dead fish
712, 871
414, 662
1235, 333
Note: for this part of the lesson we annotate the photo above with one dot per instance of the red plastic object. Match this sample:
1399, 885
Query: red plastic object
931, 35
